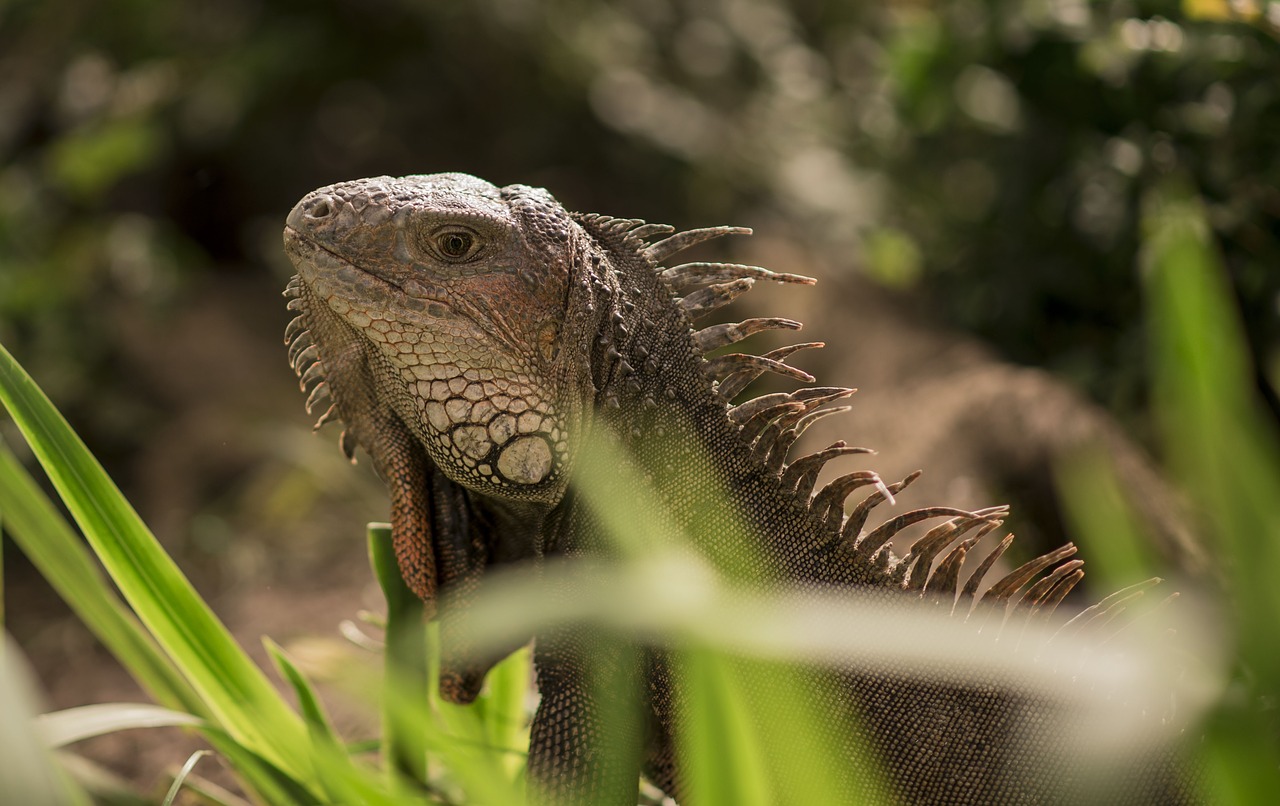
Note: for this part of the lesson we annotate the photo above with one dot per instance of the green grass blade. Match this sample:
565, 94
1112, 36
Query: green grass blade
1102, 519
337, 772
313, 713
742, 747
46, 538
503, 709
1228, 457
236, 692
417, 724
266, 782
51, 545
405, 663
725, 763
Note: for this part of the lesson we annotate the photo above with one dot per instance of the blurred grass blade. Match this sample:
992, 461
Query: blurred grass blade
28, 773
1102, 519
724, 761
452, 736
741, 748
74, 724
405, 662
235, 691
416, 723
1224, 449
776, 748
1226, 453
342, 779
182, 776
503, 708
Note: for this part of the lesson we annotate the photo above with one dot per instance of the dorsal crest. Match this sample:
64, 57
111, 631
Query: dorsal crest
938, 565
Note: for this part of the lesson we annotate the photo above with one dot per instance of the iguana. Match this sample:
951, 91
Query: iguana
471, 338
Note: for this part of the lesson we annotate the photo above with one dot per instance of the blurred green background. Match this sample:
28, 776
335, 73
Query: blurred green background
988, 155
984, 160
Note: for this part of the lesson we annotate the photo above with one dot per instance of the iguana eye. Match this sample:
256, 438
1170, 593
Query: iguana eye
455, 244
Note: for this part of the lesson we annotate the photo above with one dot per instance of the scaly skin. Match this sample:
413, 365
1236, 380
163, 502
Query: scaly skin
472, 338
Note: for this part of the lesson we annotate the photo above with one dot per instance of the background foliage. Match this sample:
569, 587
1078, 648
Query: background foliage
989, 154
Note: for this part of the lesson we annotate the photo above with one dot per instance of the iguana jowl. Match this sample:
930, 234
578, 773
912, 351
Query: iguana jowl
471, 337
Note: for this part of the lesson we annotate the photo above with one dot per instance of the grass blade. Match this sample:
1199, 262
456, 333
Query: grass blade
82, 722
342, 779
416, 722
53, 547
51, 544
234, 690
503, 709
1228, 457
405, 663
28, 773
182, 776
725, 762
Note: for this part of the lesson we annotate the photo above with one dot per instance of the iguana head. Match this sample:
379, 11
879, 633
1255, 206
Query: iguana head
452, 292
431, 312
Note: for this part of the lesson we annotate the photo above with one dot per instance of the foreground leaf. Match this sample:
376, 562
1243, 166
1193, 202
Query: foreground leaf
235, 691
64, 727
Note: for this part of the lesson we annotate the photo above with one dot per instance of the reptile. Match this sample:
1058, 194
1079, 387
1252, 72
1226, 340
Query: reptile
472, 338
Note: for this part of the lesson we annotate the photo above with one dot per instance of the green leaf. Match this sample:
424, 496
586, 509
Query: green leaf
61, 557
338, 774
236, 693
405, 661
1228, 457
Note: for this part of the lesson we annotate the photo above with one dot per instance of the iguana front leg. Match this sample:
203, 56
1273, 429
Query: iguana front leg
584, 744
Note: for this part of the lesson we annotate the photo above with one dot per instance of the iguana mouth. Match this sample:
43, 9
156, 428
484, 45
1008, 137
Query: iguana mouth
303, 251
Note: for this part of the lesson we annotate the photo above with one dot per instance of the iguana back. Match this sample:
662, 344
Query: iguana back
473, 339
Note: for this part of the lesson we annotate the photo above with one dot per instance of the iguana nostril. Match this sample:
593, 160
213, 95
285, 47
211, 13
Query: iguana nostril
322, 209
